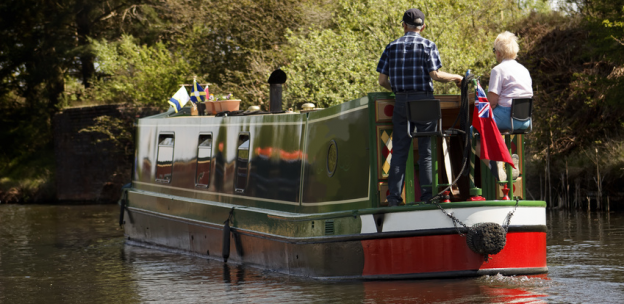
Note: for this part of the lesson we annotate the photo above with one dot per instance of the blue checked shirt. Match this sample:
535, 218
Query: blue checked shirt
408, 60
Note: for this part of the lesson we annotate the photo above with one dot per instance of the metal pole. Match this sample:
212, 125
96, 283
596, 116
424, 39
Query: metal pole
508, 167
474, 191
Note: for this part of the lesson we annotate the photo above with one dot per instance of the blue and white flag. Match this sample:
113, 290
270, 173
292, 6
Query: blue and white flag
197, 92
180, 99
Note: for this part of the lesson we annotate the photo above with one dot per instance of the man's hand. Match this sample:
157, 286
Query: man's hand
458, 80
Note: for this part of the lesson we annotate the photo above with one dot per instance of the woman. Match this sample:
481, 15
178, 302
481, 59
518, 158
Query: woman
508, 80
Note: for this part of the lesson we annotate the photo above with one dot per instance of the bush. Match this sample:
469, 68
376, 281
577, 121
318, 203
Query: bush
336, 64
144, 75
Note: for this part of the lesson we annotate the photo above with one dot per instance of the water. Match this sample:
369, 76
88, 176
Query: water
76, 254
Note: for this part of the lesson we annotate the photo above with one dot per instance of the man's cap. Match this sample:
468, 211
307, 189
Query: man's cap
414, 16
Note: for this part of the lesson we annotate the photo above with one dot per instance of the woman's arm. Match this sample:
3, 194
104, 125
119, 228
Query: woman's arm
493, 99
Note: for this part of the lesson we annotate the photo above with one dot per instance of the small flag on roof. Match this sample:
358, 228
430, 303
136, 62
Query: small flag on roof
180, 99
197, 92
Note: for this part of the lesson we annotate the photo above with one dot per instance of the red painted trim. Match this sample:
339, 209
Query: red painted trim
441, 253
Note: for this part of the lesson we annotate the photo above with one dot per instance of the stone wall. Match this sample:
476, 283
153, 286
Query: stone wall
84, 168
88, 171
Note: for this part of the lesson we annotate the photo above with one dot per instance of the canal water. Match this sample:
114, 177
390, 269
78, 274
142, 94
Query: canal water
76, 254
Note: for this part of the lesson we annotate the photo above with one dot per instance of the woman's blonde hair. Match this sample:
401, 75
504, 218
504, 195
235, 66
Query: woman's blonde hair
507, 44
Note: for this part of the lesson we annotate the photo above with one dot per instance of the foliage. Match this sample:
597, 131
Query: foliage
578, 78
66, 53
45, 41
237, 49
44, 55
578, 73
114, 130
29, 179
24, 132
336, 64
147, 75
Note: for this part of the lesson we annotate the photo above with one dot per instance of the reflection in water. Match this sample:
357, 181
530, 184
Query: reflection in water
61, 254
239, 274
226, 274
76, 254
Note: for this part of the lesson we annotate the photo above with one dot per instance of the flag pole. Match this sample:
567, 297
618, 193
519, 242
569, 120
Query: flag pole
475, 192
194, 110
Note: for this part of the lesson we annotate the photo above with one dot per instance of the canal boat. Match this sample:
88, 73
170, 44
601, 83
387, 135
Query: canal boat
303, 193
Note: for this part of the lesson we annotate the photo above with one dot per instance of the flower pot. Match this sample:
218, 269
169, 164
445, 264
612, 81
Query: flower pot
210, 109
217, 106
229, 105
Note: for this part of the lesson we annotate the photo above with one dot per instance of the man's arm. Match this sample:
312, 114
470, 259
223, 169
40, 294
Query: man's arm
445, 77
493, 99
384, 82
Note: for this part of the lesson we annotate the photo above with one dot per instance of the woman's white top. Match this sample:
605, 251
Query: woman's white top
510, 80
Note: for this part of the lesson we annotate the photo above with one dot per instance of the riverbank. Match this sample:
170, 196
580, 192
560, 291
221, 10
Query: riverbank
30, 180
587, 179
88, 158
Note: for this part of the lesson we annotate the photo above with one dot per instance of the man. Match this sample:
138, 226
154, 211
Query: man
407, 67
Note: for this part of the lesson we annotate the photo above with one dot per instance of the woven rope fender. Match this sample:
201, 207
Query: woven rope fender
486, 238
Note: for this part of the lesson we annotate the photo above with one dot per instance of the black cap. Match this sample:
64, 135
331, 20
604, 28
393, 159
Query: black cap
414, 16
278, 76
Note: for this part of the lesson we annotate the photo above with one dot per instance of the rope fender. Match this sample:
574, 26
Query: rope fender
486, 238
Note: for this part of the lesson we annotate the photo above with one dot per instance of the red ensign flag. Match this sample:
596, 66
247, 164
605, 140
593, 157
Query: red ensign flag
492, 145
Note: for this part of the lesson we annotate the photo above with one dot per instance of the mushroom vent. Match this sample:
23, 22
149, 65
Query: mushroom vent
278, 76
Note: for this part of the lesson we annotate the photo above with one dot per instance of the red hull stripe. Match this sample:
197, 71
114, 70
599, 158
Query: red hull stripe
442, 253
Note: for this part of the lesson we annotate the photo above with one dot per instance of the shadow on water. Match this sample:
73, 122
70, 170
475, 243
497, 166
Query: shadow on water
77, 254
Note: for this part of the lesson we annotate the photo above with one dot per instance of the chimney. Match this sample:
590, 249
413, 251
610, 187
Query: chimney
277, 78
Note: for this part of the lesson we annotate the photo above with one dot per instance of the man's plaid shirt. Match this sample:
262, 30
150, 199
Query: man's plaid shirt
408, 60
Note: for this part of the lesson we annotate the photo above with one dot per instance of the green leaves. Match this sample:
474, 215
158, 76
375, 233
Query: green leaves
146, 75
336, 64
330, 68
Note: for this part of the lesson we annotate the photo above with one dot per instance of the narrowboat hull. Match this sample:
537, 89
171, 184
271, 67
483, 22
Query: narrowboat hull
302, 194
416, 242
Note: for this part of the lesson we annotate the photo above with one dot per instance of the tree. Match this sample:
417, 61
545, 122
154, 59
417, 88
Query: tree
336, 64
44, 42
141, 75
44, 49
235, 45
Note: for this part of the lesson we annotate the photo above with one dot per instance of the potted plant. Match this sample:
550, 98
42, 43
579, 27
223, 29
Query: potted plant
227, 103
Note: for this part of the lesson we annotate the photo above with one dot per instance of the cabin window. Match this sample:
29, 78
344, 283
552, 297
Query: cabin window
164, 160
242, 162
204, 160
